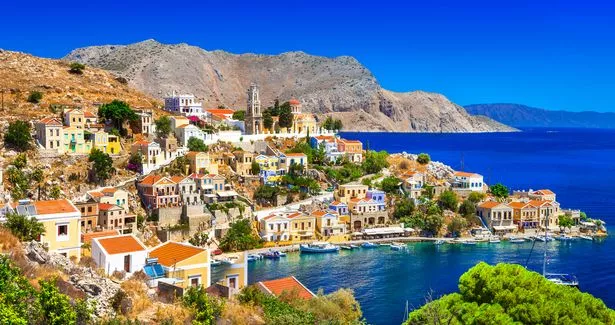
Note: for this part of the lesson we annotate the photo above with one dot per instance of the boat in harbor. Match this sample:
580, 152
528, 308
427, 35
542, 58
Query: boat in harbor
345, 247
494, 240
515, 240
398, 246
215, 262
439, 242
557, 278
369, 245
586, 237
564, 238
271, 255
254, 257
543, 239
318, 247
354, 246
469, 242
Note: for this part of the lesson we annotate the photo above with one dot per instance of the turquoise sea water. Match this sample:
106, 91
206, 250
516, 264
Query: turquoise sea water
577, 164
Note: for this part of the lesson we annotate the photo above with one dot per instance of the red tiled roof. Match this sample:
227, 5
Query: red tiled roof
518, 205
489, 204
465, 174
107, 206
151, 179
120, 244
220, 111
289, 284
294, 102
109, 190
170, 253
87, 237
96, 194
544, 192
295, 154
89, 114
537, 203
51, 121
54, 206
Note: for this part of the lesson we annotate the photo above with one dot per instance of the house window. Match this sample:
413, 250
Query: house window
232, 281
62, 232
127, 263
195, 281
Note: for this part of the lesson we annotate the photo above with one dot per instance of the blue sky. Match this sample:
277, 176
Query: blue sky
551, 54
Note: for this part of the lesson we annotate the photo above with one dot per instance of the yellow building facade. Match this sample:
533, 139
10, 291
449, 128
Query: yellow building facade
188, 265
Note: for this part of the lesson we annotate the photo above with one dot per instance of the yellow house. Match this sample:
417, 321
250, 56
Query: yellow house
74, 117
61, 220
201, 163
235, 275
187, 265
74, 140
114, 147
349, 191
110, 195
302, 226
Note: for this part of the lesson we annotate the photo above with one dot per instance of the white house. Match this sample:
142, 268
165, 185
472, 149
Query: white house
119, 253
467, 182
184, 132
275, 227
413, 182
184, 104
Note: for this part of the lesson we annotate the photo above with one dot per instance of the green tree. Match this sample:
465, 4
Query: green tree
565, 221
390, 184
404, 207
239, 115
328, 124
37, 176
76, 68
286, 116
163, 126
448, 200
18, 135
35, 97
337, 125
511, 294
266, 194
476, 197
56, 307
20, 161
102, 165
267, 119
206, 309
199, 239
583, 216
457, 225
196, 144
18, 303
423, 159
55, 192
24, 227
375, 161
499, 191
240, 237
118, 112
467, 209
255, 168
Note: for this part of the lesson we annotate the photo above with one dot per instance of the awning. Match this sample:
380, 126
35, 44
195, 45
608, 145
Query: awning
505, 227
227, 193
383, 231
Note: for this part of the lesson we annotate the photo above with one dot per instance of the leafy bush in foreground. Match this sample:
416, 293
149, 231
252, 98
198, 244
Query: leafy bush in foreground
510, 294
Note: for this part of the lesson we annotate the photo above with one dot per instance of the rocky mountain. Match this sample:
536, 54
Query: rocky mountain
339, 86
525, 116
21, 74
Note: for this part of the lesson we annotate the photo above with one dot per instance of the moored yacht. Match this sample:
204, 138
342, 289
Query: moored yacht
318, 247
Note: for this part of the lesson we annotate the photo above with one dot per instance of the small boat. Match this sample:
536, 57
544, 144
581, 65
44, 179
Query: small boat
318, 247
369, 245
544, 238
516, 240
272, 255
564, 238
282, 254
354, 246
348, 248
494, 240
398, 246
563, 279
215, 262
385, 244
254, 257
439, 242
586, 237
469, 242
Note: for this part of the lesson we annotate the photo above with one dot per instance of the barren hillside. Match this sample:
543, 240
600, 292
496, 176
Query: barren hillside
22, 73
338, 86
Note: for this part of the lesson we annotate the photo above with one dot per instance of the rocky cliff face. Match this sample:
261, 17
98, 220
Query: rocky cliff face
340, 86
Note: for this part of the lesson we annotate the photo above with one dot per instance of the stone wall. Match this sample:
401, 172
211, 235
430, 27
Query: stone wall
169, 216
